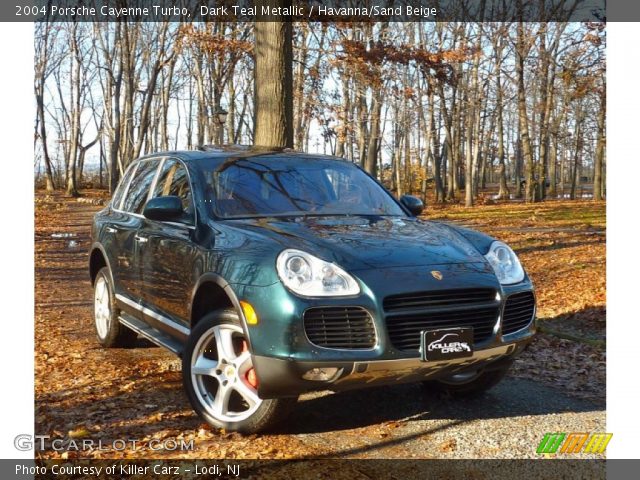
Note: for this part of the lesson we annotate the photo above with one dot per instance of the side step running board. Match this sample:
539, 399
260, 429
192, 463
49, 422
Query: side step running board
156, 336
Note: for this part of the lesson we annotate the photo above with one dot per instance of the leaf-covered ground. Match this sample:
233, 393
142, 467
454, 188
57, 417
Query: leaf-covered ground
86, 392
562, 246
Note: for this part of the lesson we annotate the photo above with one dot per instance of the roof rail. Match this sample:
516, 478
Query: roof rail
213, 148
237, 147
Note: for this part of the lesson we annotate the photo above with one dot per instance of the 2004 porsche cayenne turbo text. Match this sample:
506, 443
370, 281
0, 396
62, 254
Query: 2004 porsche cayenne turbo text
274, 273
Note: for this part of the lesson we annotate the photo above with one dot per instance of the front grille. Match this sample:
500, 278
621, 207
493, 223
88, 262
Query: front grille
409, 314
442, 298
340, 327
518, 312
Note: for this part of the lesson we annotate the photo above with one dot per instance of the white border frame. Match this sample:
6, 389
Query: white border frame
16, 241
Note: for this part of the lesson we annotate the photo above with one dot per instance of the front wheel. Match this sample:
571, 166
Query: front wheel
220, 381
469, 384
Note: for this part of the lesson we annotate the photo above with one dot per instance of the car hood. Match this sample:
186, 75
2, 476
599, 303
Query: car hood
366, 242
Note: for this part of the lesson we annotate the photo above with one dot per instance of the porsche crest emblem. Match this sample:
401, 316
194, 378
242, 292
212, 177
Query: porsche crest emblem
436, 274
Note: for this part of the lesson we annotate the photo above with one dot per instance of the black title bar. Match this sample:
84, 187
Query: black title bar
318, 10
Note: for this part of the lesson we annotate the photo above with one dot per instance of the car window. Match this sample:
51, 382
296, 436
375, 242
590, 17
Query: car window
275, 186
122, 186
139, 188
173, 179
165, 177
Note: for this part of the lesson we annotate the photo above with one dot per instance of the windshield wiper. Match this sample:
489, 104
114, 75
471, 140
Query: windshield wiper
305, 215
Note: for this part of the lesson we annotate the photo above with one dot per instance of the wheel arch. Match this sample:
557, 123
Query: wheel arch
98, 258
212, 292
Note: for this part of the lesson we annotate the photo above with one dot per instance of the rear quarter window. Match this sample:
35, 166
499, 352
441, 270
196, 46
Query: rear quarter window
116, 200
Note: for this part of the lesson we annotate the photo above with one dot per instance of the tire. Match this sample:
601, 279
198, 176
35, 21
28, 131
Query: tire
109, 330
220, 390
469, 387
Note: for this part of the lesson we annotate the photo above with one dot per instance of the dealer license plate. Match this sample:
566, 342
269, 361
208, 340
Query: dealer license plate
446, 344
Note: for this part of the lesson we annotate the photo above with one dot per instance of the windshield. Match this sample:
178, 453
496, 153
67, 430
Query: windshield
274, 186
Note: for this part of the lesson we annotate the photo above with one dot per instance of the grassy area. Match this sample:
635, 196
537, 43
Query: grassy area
566, 214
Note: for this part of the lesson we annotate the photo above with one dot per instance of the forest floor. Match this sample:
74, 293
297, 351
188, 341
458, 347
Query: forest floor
85, 392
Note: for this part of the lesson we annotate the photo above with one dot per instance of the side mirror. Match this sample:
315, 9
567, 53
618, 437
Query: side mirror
413, 204
165, 209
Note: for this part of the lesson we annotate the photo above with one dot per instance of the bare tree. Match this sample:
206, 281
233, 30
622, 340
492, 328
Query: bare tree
422, 106
273, 84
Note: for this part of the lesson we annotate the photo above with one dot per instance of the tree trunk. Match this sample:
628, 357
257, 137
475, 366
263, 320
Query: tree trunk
201, 125
456, 148
50, 185
299, 99
231, 117
523, 120
166, 97
448, 146
503, 193
72, 188
553, 162
362, 113
555, 146
114, 166
546, 99
600, 146
408, 176
577, 150
435, 153
41, 74
371, 159
273, 84
518, 165
468, 167
341, 136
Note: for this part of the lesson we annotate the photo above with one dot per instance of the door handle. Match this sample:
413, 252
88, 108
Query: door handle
141, 239
111, 230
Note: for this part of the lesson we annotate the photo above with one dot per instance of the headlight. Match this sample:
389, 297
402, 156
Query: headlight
309, 276
505, 263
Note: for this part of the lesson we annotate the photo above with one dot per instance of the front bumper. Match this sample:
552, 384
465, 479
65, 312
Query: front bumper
283, 378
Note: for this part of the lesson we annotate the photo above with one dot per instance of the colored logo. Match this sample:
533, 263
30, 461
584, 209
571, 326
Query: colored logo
574, 442
436, 274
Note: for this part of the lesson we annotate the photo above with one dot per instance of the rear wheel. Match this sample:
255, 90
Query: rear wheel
110, 332
219, 379
469, 384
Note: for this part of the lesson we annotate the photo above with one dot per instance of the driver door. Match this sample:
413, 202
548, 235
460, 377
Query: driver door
169, 255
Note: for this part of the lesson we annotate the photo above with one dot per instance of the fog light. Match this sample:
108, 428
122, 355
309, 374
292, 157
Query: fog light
249, 313
320, 374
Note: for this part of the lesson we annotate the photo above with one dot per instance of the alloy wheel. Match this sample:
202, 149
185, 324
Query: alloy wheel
102, 307
222, 373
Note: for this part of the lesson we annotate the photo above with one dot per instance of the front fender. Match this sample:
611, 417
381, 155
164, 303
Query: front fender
218, 280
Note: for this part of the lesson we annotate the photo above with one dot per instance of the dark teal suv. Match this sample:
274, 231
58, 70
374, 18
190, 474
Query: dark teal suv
273, 273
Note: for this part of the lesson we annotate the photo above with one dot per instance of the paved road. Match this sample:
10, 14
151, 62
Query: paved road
407, 421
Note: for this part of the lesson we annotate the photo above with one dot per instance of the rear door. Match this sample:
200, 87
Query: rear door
170, 255
112, 232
